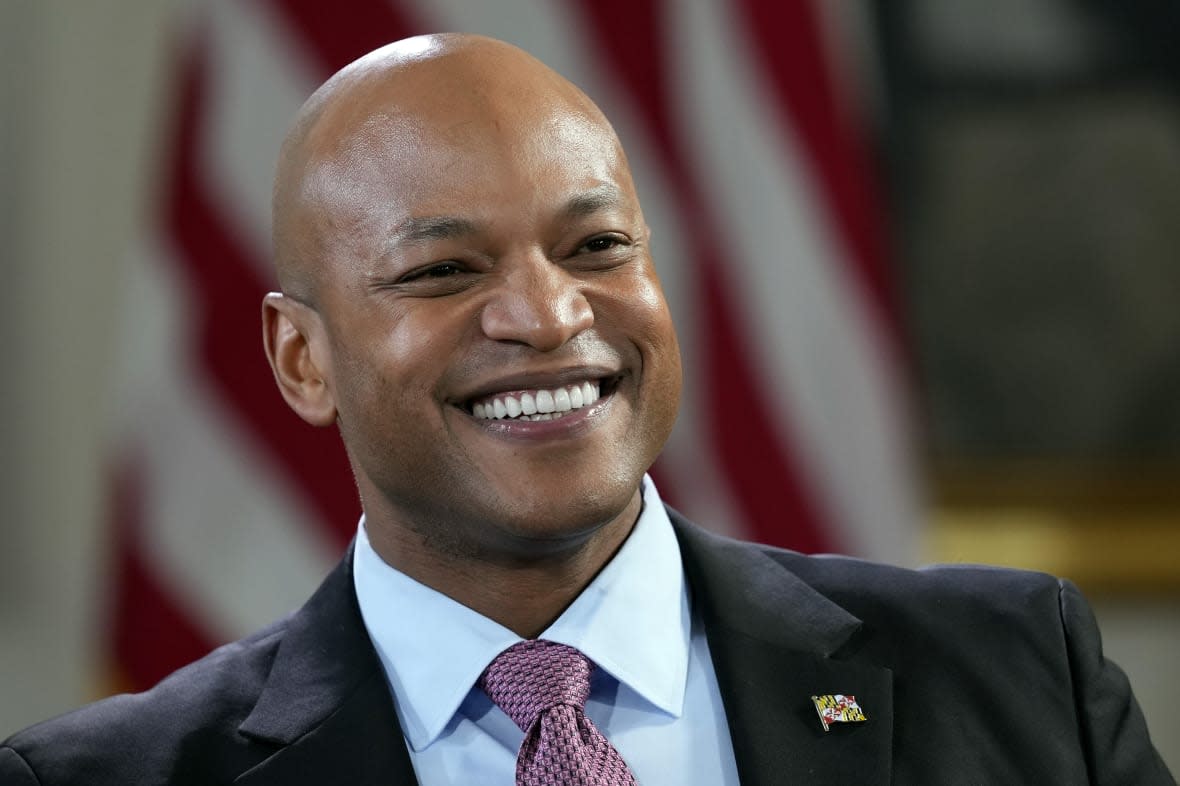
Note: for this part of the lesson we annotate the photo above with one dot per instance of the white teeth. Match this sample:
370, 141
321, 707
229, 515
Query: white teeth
542, 405
561, 400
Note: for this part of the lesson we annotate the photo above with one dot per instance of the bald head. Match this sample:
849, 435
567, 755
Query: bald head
371, 127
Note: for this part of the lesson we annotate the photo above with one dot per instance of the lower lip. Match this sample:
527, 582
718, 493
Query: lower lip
572, 423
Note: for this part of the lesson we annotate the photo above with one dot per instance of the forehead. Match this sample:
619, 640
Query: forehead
449, 156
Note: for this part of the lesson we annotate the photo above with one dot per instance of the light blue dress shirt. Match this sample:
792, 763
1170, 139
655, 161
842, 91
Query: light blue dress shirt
654, 694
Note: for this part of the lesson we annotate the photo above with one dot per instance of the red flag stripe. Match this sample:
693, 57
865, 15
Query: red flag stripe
767, 486
335, 35
229, 292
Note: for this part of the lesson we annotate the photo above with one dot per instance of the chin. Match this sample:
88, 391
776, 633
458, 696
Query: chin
569, 517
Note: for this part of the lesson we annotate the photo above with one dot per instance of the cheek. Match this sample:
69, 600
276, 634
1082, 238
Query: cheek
391, 371
634, 309
648, 321
415, 349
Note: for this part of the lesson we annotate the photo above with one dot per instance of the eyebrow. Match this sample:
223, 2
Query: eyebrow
420, 230
590, 202
416, 230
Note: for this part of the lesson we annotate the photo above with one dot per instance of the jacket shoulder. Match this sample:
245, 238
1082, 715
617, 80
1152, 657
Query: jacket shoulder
149, 736
873, 590
946, 587
953, 615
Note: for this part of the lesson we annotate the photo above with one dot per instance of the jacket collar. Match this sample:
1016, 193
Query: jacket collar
326, 704
776, 642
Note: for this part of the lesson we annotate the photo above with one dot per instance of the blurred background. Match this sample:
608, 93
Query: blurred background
921, 253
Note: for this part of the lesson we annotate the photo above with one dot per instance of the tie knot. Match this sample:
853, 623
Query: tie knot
533, 676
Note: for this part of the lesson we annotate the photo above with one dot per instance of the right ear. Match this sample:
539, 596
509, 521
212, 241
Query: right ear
293, 336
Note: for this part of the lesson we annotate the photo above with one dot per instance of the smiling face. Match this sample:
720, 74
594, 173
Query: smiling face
487, 321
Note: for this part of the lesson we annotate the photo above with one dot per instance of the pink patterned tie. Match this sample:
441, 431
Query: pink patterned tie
543, 687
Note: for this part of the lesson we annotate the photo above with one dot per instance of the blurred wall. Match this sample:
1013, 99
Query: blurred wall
82, 90
81, 86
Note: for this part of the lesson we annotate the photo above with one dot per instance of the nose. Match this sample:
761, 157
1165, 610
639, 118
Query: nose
538, 303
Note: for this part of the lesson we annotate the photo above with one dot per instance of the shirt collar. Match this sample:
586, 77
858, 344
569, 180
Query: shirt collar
641, 589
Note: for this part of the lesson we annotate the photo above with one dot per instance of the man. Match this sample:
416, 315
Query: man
469, 296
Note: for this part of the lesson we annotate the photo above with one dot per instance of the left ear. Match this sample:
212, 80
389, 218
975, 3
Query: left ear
293, 336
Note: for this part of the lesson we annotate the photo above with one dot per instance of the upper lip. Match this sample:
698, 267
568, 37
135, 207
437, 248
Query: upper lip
537, 380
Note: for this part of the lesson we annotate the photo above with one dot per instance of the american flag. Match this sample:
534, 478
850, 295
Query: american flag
736, 114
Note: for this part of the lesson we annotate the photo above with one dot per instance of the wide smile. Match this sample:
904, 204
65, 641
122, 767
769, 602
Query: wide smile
519, 406
538, 404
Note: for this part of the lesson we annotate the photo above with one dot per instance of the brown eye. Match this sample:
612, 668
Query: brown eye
602, 243
441, 270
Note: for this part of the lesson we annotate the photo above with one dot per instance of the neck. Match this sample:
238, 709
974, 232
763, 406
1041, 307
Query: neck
524, 585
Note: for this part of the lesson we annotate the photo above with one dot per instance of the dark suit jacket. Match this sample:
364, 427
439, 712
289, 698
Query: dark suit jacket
967, 675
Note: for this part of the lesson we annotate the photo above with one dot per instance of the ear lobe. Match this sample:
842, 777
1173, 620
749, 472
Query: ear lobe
289, 330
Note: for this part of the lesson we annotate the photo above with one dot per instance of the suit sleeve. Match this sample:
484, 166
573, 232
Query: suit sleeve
14, 771
1114, 733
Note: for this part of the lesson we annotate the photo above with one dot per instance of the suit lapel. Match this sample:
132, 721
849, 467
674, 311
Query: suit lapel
326, 705
359, 743
776, 642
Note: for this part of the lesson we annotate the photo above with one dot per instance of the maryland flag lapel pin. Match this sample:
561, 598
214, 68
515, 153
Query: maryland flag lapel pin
838, 708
